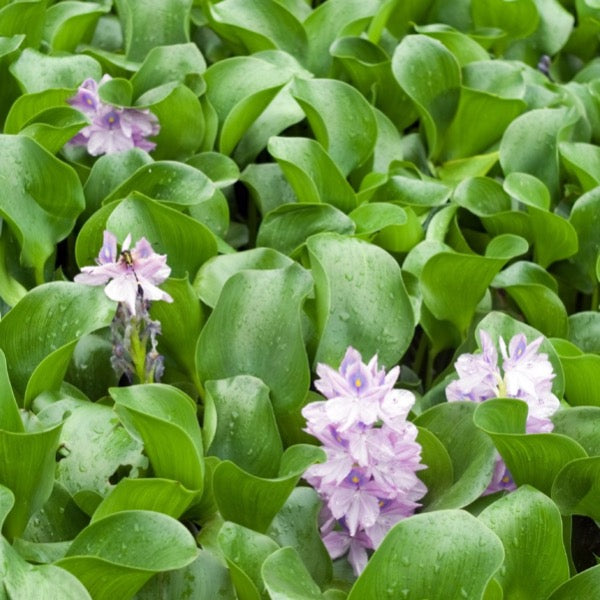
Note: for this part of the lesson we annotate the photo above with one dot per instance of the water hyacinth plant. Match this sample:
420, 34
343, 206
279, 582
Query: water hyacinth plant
212, 211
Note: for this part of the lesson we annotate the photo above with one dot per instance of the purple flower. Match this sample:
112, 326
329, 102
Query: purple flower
112, 129
130, 273
368, 481
526, 374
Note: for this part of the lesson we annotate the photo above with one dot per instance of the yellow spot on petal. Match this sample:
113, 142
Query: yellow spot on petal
357, 382
505, 479
355, 479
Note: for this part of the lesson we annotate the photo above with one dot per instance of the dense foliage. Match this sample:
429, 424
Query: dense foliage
408, 178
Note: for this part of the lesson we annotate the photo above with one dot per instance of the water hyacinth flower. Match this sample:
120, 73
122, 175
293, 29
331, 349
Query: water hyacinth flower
132, 277
112, 129
368, 482
526, 374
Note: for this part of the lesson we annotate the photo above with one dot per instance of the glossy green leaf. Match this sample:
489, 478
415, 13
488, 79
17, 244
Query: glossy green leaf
530, 527
465, 48
23, 17
254, 501
331, 20
439, 474
207, 578
576, 488
245, 551
286, 577
581, 372
584, 331
579, 423
175, 62
361, 300
471, 452
71, 23
288, 226
27, 469
220, 169
554, 237
267, 186
56, 314
235, 409
311, 172
296, 525
115, 556
28, 106
255, 329
534, 458
37, 72
584, 218
453, 283
530, 145
182, 125
159, 495
140, 30
96, 447
583, 160
439, 555
341, 119
535, 292
214, 273
430, 75
42, 198
582, 585
410, 191
9, 410
22, 580
165, 419
259, 25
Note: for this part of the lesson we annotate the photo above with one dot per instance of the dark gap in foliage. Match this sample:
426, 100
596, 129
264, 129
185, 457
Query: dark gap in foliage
585, 542
121, 472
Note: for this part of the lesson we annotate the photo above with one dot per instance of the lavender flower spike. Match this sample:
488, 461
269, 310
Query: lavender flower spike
526, 374
112, 129
368, 482
130, 273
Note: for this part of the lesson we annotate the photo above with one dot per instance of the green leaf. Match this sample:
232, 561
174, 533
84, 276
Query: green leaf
439, 474
583, 161
471, 452
28, 106
37, 72
286, 577
55, 314
535, 292
220, 169
267, 186
341, 119
439, 555
42, 198
311, 172
96, 447
530, 144
430, 75
361, 300
260, 25
465, 48
9, 410
582, 585
159, 495
245, 551
584, 331
235, 409
581, 371
331, 20
165, 419
530, 527
155, 23
71, 23
254, 501
27, 469
297, 525
288, 226
576, 488
453, 283
214, 273
255, 329
534, 458
23, 17
176, 62
579, 423
554, 237
115, 556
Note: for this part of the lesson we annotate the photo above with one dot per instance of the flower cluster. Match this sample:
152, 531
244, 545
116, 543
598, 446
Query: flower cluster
132, 276
526, 374
368, 481
112, 129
